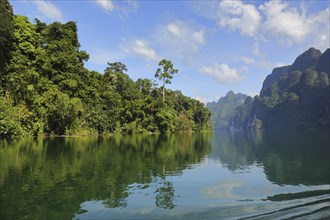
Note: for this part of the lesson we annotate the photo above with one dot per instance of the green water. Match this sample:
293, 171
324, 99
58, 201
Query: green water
186, 176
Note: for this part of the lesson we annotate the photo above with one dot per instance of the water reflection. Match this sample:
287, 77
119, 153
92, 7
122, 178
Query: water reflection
236, 151
165, 195
287, 158
52, 178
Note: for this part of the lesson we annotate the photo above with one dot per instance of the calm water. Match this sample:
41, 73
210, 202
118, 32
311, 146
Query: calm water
187, 176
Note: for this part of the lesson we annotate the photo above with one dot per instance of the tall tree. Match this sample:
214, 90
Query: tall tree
22, 69
6, 31
63, 60
165, 73
45, 88
116, 67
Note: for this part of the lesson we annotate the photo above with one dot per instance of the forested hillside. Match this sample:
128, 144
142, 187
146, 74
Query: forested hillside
224, 108
45, 88
292, 97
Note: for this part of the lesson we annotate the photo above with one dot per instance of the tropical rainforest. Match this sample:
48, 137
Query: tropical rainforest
46, 89
293, 97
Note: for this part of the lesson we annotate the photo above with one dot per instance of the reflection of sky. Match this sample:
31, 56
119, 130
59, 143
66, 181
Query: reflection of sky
206, 185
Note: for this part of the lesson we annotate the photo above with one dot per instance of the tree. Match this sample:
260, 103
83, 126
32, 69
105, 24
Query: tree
21, 71
9, 119
6, 29
45, 88
145, 86
116, 67
6, 37
64, 113
63, 61
164, 73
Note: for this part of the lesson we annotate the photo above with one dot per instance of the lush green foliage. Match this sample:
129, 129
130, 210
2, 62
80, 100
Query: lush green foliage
292, 97
45, 88
165, 73
6, 29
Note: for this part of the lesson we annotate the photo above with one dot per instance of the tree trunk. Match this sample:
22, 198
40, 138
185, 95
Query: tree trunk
163, 91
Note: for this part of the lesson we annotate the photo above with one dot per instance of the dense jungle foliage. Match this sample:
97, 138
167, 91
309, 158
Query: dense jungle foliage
45, 88
293, 97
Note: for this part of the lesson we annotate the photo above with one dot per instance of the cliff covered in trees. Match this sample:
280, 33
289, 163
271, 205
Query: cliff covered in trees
224, 108
295, 97
45, 88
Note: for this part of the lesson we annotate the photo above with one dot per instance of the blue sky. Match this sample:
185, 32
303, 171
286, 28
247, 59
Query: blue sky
216, 45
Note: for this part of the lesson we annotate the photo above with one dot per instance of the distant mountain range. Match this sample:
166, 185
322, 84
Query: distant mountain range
295, 97
224, 108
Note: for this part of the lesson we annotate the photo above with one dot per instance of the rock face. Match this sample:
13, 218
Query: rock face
292, 97
224, 108
308, 59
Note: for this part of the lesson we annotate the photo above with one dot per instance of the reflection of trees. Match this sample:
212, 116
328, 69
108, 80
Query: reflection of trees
165, 195
287, 158
296, 158
235, 150
50, 178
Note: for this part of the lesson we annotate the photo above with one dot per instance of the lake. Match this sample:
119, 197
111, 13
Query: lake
184, 176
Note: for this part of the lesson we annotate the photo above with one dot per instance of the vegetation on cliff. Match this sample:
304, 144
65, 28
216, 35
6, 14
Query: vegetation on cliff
292, 97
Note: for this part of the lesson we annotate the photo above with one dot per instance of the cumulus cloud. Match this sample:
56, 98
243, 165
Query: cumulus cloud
283, 21
236, 15
107, 5
49, 10
222, 73
142, 49
291, 25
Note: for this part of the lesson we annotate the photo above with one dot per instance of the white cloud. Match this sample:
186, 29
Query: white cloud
285, 22
179, 39
183, 32
320, 33
198, 37
280, 65
239, 16
291, 25
207, 9
202, 99
125, 8
175, 30
253, 94
107, 5
142, 49
49, 10
222, 73
247, 60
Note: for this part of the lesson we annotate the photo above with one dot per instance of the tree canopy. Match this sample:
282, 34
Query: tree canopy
165, 73
46, 89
